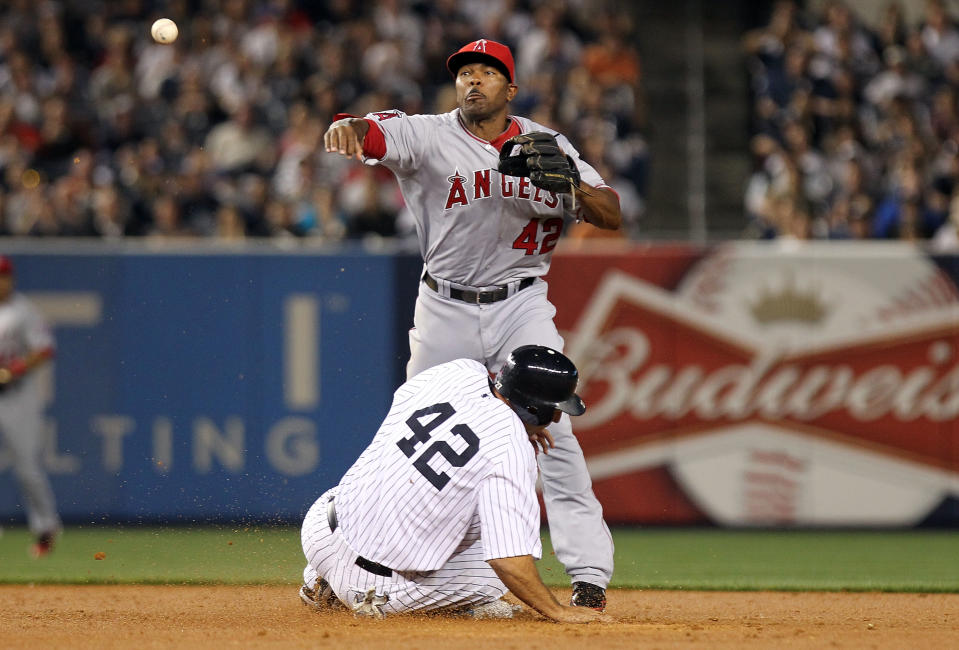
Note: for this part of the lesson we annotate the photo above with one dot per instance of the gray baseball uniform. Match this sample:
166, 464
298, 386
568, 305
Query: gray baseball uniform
486, 241
22, 332
448, 483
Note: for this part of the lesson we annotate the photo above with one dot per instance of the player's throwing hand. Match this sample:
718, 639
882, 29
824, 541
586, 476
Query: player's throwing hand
345, 136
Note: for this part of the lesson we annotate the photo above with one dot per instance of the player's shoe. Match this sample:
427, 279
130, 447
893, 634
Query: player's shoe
43, 546
586, 594
370, 605
320, 596
493, 609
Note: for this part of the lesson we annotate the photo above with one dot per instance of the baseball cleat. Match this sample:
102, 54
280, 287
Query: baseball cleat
43, 546
586, 594
321, 596
370, 605
306, 595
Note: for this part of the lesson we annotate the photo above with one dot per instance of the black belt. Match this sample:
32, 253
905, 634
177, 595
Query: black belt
478, 297
361, 561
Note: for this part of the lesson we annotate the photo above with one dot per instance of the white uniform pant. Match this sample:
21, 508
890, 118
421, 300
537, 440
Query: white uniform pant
21, 428
447, 329
466, 579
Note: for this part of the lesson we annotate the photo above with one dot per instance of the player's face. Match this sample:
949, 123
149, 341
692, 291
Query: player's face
482, 91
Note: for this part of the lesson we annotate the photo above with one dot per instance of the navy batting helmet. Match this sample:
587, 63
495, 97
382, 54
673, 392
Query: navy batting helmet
537, 381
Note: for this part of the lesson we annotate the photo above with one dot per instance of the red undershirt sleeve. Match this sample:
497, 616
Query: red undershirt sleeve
374, 144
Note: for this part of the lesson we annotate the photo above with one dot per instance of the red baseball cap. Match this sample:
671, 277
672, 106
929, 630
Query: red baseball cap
484, 51
6, 266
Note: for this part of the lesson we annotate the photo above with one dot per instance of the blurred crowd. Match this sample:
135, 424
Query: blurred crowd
104, 133
855, 127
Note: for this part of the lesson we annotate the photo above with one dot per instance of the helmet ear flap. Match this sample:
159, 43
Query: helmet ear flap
524, 415
533, 415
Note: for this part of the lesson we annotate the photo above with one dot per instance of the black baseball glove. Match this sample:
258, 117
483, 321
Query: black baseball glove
540, 158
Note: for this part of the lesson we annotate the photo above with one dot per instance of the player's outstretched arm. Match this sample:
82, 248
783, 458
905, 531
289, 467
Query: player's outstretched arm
346, 136
600, 206
520, 576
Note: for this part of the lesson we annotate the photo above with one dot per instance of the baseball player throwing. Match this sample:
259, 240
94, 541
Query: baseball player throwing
491, 194
25, 344
440, 511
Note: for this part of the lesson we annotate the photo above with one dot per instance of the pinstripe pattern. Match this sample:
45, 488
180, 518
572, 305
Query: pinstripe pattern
466, 579
437, 541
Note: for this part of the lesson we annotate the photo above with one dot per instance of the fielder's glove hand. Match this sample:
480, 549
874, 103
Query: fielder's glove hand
540, 158
11, 374
6, 379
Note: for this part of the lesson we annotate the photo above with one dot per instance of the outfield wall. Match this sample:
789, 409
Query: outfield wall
741, 384
206, 385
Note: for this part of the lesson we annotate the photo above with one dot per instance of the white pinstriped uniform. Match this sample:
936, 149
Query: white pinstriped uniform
478, 229
447, 484
22, 331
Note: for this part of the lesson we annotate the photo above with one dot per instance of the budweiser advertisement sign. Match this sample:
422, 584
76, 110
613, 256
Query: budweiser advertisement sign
766, 384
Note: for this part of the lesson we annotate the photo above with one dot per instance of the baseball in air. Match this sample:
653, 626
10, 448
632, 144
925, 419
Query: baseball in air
164, 31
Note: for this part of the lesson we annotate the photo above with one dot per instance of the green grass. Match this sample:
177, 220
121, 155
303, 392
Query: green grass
913, 561
154, 555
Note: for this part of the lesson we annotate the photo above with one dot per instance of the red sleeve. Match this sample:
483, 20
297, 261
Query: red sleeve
374, 144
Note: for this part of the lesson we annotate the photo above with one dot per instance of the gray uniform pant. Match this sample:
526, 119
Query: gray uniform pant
21, 430
447, 329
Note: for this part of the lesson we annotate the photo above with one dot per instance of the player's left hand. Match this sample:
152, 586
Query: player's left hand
12, 373
6, 379
542, 438
540, 158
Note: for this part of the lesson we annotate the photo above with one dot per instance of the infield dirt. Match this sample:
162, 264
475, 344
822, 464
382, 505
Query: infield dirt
257, 616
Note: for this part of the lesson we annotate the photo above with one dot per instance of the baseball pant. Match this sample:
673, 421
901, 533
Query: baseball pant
465, 579
21, 426
447, 329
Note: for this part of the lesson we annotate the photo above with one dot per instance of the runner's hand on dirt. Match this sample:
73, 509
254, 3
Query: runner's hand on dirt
580, 615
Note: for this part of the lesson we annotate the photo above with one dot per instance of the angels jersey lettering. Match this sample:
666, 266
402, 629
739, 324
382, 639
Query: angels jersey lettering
476, 227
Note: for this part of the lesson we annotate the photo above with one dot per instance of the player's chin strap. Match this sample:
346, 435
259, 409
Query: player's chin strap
531, 419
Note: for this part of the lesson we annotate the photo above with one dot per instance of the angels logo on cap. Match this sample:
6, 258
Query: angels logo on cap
6, 265
484, 51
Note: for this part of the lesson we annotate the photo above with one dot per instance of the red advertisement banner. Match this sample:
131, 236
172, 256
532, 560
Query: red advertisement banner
762, 384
